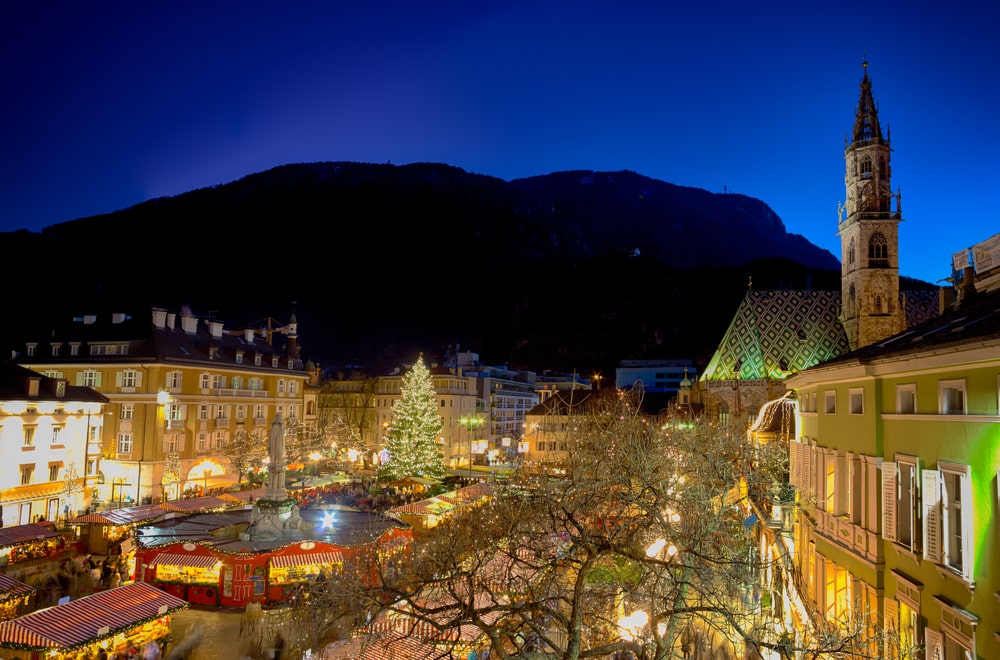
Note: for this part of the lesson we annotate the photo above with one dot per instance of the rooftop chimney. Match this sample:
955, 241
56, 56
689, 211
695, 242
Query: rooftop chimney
189, 324
215, 327
159, 317
248, 335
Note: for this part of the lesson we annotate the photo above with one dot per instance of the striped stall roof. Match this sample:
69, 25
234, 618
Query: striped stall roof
22, 533
286, 561
11, 588
79, 621
389, 645
196, 504
127, 516
177, 559
243, 495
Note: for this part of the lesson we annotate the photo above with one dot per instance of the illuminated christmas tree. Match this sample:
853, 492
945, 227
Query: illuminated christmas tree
412, 439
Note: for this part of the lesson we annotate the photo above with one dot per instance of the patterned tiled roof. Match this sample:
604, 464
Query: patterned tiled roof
778, 332
775, 332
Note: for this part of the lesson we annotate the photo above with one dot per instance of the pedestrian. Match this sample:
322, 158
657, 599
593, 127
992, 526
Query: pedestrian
131, 652
151, 651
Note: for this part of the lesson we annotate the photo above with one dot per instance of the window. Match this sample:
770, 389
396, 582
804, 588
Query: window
850, 252
256, 360
274, 362
293, 387
947, 508
55, 350
838, 593
53, 472
29, 435
56, 432
237, 382
202, 442
255, 383
258, 412
281, 386
856, 401
220, 439
830, 402
90, 378
220, 411
74, 349
239, 357
906, 399
878, 251
174, 412
128, 411
203, 411
951, 397
91, 466
124, 443
900, 501
218, 381
27, 472
129, 378
174, 380
241, 411
866, 167
203, 380
30, 349
170, 443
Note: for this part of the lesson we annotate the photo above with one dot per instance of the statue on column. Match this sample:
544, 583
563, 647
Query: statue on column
276, 457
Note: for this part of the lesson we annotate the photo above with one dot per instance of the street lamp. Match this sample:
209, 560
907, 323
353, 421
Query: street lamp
469, 423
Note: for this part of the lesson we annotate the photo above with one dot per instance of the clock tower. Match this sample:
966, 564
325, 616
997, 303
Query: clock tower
869, 231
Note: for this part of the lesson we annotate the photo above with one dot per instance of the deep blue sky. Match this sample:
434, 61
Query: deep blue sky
108, 104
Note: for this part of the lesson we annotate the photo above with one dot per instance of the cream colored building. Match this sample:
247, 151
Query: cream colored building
180, 388
49, 445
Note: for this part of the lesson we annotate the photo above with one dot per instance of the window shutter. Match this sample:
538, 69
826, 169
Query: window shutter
807, 470
931, 502
98, 378
889, 501
841, 494
795, 464
138, 379
968, 561
79, 378
890, 646
118, 379
933, 645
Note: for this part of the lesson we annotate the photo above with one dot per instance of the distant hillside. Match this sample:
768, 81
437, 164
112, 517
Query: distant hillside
566, 270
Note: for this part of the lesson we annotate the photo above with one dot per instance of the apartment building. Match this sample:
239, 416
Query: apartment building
897, 463
180, 389
50, 444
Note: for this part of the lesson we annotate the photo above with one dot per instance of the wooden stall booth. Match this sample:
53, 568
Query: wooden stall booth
15, 597
103, 533
108, 620
204, 575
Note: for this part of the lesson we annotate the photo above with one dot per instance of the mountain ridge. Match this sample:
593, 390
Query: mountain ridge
380, 260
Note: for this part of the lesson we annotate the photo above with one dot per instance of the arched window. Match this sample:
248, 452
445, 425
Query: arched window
878, 251
850, 253
866, 167
878, 304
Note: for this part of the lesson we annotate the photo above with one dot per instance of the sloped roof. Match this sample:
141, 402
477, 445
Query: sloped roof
778, 332
775, 332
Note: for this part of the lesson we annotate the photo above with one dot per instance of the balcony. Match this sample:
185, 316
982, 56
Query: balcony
175, 424
241, 394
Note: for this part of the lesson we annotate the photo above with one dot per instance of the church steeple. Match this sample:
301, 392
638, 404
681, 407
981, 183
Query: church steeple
869, 231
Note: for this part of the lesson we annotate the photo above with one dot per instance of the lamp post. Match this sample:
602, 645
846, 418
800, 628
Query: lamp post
470, 423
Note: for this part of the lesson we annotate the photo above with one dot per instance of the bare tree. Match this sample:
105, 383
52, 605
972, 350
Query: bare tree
645, 545
245, 450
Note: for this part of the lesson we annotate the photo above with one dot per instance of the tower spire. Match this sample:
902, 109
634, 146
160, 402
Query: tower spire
866, 124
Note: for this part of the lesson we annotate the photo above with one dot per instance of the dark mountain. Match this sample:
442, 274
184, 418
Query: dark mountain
567, 270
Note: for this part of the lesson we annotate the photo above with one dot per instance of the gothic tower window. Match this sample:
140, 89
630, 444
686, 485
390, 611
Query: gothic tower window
866, 167
851, 301
878, 251
850, 253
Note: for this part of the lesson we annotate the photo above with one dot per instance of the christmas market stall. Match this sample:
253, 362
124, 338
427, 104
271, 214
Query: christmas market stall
106, 621
29, 549
103, 532
14, 597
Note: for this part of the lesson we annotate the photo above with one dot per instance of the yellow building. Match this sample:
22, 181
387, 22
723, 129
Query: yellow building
49, 444
180, 389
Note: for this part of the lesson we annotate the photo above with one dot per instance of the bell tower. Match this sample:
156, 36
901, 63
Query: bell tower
869, 231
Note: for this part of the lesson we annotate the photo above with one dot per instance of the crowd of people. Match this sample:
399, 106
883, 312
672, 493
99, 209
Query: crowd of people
361, 495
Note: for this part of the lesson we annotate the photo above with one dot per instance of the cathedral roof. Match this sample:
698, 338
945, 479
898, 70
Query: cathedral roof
778, 332
775, 332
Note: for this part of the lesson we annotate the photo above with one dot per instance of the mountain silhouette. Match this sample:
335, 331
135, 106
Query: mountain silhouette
569, 270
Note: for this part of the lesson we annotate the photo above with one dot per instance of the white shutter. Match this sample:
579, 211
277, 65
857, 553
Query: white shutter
138, 378
807, 465
118, 379
889, 501
931, 506
842, 493
98, 378
968, 561
79, 378
933, 645
890, 644
795, 465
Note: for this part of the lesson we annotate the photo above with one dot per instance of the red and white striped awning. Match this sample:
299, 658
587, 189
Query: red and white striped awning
89, 618
192, 561
315, 558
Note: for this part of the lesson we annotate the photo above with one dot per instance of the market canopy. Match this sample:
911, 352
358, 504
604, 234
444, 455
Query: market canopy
23, 533
128, 516
88, 619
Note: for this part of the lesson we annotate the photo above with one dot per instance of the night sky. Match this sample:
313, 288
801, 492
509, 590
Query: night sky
108, 104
